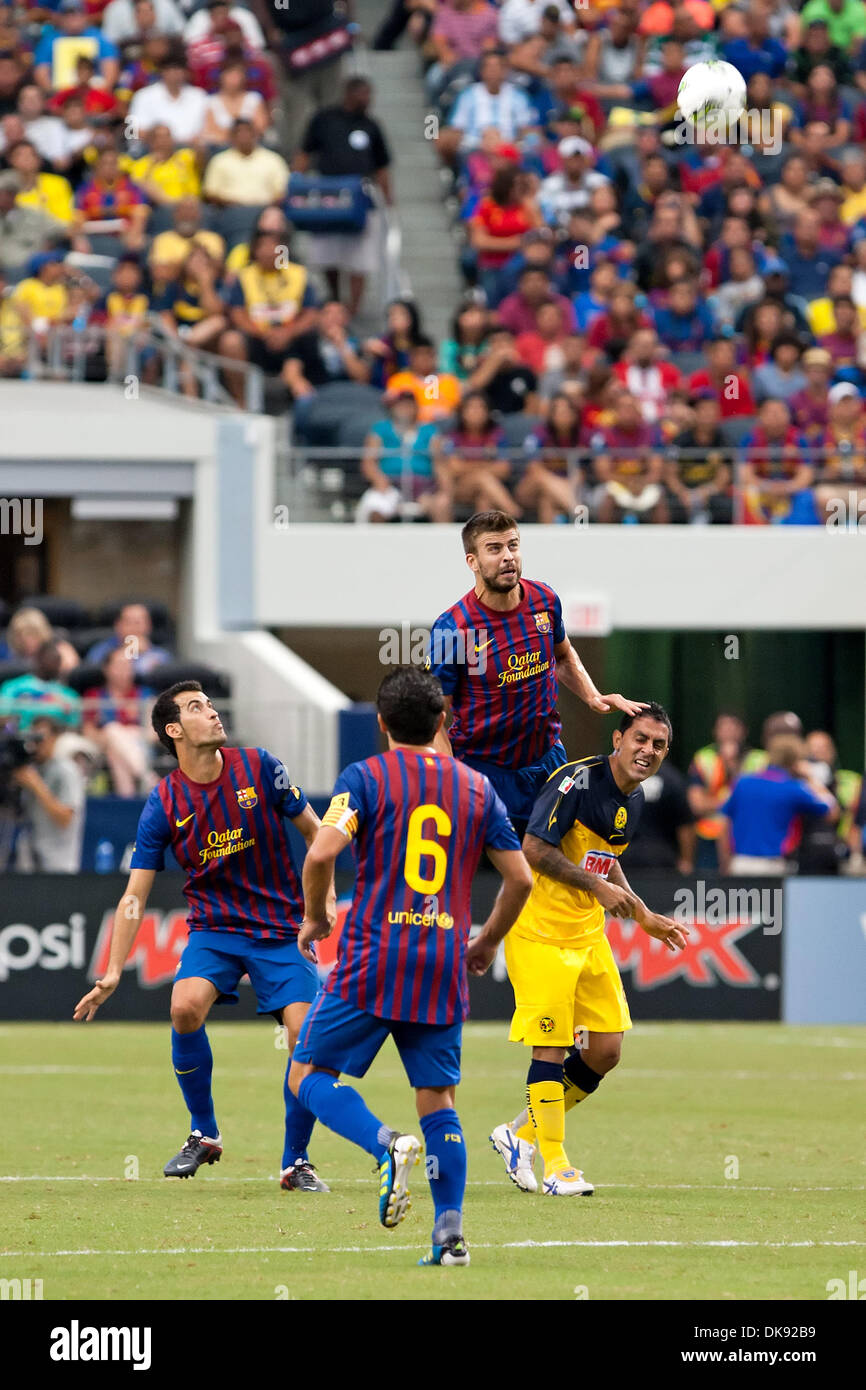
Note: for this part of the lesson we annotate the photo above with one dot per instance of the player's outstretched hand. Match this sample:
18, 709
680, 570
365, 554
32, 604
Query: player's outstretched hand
480, 955
603, 704
665, 929
86, 1008
311, 931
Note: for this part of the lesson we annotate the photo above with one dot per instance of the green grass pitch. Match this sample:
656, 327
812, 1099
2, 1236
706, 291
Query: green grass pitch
690, 1106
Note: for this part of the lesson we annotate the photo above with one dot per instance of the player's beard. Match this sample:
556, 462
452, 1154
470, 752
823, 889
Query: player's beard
498, 583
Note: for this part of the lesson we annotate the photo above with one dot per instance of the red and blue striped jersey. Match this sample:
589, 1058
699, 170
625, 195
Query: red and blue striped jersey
230, 837
500, 672
419, 822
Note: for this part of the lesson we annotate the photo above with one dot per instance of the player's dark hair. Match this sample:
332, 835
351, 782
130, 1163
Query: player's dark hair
652, 711
485, 521
166, 711
410, 702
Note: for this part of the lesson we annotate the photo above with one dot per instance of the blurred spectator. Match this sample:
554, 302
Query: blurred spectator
646, 375
390, 351
246, 174
816, 49
570, 189
192, 309
165, 173
666, 836
730, 386
233, 101
781, 376
808, 262
23, 230
491, 101
123, 312
628, 465
774, 477
115, 719
170, 249
53, 805
697, 475
500, 221
845, 343
40, 691
310, 38
711, 775
783, 202
541, 349
41, 300
54, 58
823, 846
762, 809
12, 79
123, 20
685, 323
437, 394
346, 141
551, 481
323, 355
460, 32
509, 385
132, 633
399, 462
270, 304
845, 20
172, 101
50, 194
474, 471
616, 327
742, 287
462, 352
216, 16
110, 203
518, 310
809, 406
841, 466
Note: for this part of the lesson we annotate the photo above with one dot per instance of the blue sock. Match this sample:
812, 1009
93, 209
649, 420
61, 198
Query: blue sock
299, 1125
341, 1108
193, 1067
446, 1171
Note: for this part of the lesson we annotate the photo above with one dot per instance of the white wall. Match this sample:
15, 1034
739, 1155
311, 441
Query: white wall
719, 578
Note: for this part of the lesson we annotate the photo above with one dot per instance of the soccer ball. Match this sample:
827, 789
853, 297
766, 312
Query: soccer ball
711, 87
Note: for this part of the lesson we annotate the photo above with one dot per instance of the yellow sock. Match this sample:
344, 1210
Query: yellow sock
523, 1126
573, 1094
547, 1110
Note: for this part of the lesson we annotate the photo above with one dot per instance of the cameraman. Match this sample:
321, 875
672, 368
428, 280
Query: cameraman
52, 803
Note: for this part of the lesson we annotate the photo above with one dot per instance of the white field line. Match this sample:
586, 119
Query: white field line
627, 1074
733, 1186
476, 1245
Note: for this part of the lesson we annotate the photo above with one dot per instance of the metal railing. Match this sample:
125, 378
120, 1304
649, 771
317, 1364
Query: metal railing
70, 353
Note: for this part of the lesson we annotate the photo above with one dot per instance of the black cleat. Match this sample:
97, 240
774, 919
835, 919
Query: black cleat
196, 1151
302, 1177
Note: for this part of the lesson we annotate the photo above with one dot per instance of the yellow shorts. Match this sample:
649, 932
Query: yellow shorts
559, 989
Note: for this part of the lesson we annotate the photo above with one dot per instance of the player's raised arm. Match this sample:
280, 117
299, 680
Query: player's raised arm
574, 676
510, 900
127, 920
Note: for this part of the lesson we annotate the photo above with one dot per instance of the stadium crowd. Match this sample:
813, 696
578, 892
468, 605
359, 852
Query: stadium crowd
652, 330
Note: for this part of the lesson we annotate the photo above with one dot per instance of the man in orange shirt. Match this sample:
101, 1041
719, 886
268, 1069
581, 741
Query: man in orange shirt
437, 393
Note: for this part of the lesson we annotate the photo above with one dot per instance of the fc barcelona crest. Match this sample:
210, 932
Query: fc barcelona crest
542, 621
247, 798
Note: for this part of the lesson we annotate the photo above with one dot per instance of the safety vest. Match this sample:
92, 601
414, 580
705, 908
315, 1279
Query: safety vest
714, 776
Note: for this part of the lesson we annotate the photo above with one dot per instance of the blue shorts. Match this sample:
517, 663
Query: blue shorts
277, 970
519, 786
338, 1037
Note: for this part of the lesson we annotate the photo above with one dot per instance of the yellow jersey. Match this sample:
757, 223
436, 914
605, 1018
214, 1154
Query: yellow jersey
581, 810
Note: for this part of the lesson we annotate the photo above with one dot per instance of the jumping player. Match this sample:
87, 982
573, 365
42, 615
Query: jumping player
420, 821
499, 654
559, 960
222, 812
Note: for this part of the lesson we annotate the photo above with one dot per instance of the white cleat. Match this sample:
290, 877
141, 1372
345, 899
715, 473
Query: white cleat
567, 1182
403, 1153
518, 1155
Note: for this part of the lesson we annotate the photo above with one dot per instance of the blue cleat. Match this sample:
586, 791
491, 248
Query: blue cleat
455, 1251
403, 1153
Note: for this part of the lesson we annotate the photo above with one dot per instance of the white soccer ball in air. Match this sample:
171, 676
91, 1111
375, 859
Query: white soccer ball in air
712, 87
